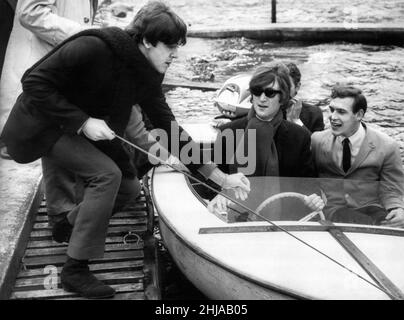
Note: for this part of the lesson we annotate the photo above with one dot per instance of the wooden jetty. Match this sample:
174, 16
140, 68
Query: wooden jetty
130, 263
387, 33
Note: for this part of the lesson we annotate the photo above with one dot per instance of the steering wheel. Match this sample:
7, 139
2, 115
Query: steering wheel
289, 195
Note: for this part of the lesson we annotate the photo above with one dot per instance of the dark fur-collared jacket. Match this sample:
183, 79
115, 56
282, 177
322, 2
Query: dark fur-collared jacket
292, 144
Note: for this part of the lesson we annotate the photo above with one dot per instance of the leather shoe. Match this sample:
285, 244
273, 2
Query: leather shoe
62, 230
76, 277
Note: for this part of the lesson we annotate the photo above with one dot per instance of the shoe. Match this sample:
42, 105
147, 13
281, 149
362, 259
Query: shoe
62, 230
76, 277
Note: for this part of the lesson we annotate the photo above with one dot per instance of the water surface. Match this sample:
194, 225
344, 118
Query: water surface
212, 13
377, 70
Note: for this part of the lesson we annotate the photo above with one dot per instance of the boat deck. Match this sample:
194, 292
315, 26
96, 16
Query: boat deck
129, 264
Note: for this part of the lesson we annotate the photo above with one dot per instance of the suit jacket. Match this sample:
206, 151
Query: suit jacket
292, 144
378, 160
312, 117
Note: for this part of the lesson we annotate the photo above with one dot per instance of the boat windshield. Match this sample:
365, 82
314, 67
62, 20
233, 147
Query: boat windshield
282, 199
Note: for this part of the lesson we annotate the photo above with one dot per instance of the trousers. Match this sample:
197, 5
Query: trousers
102, 191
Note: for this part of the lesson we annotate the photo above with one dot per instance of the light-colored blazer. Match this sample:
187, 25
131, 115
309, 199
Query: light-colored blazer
378, 160
39, 25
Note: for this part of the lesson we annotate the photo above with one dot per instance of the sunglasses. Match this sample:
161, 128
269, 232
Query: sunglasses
269, 92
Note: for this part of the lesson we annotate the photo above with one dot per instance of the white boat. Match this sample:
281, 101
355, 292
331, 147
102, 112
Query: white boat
250, 259
234, 95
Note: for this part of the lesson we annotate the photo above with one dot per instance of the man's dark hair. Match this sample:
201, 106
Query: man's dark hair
348, 91
294, 72
157, 22
266, 75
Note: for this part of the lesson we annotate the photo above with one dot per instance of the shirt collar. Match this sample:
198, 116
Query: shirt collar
355, 139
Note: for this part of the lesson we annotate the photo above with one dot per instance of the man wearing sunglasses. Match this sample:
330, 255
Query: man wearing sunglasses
282, 148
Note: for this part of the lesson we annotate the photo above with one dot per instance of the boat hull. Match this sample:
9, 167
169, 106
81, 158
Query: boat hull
250, 260
206, 275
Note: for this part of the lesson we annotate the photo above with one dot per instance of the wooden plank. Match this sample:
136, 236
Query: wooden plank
62, 250
41, 218
140, 199
130, 221
45, 244
130, 214
112, 231
60, 293
37, 262
112, 222
118, 296
96, 268
374, 272
41, 226
37, 283
298, 228
139, 205
116, 231
50, 243
138, 211
42, 210
140, 202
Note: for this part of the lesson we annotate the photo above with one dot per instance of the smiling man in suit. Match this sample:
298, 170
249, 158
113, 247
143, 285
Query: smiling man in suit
364, 158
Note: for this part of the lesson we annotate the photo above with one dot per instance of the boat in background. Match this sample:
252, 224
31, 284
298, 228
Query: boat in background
233, 99
234, 96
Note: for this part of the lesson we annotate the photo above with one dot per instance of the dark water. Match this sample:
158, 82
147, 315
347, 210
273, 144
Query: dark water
174, 285
377, 70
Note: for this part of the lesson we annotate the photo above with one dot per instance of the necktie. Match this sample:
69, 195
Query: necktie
346, 155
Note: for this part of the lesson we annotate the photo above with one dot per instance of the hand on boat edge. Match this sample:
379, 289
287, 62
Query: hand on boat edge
218, 204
